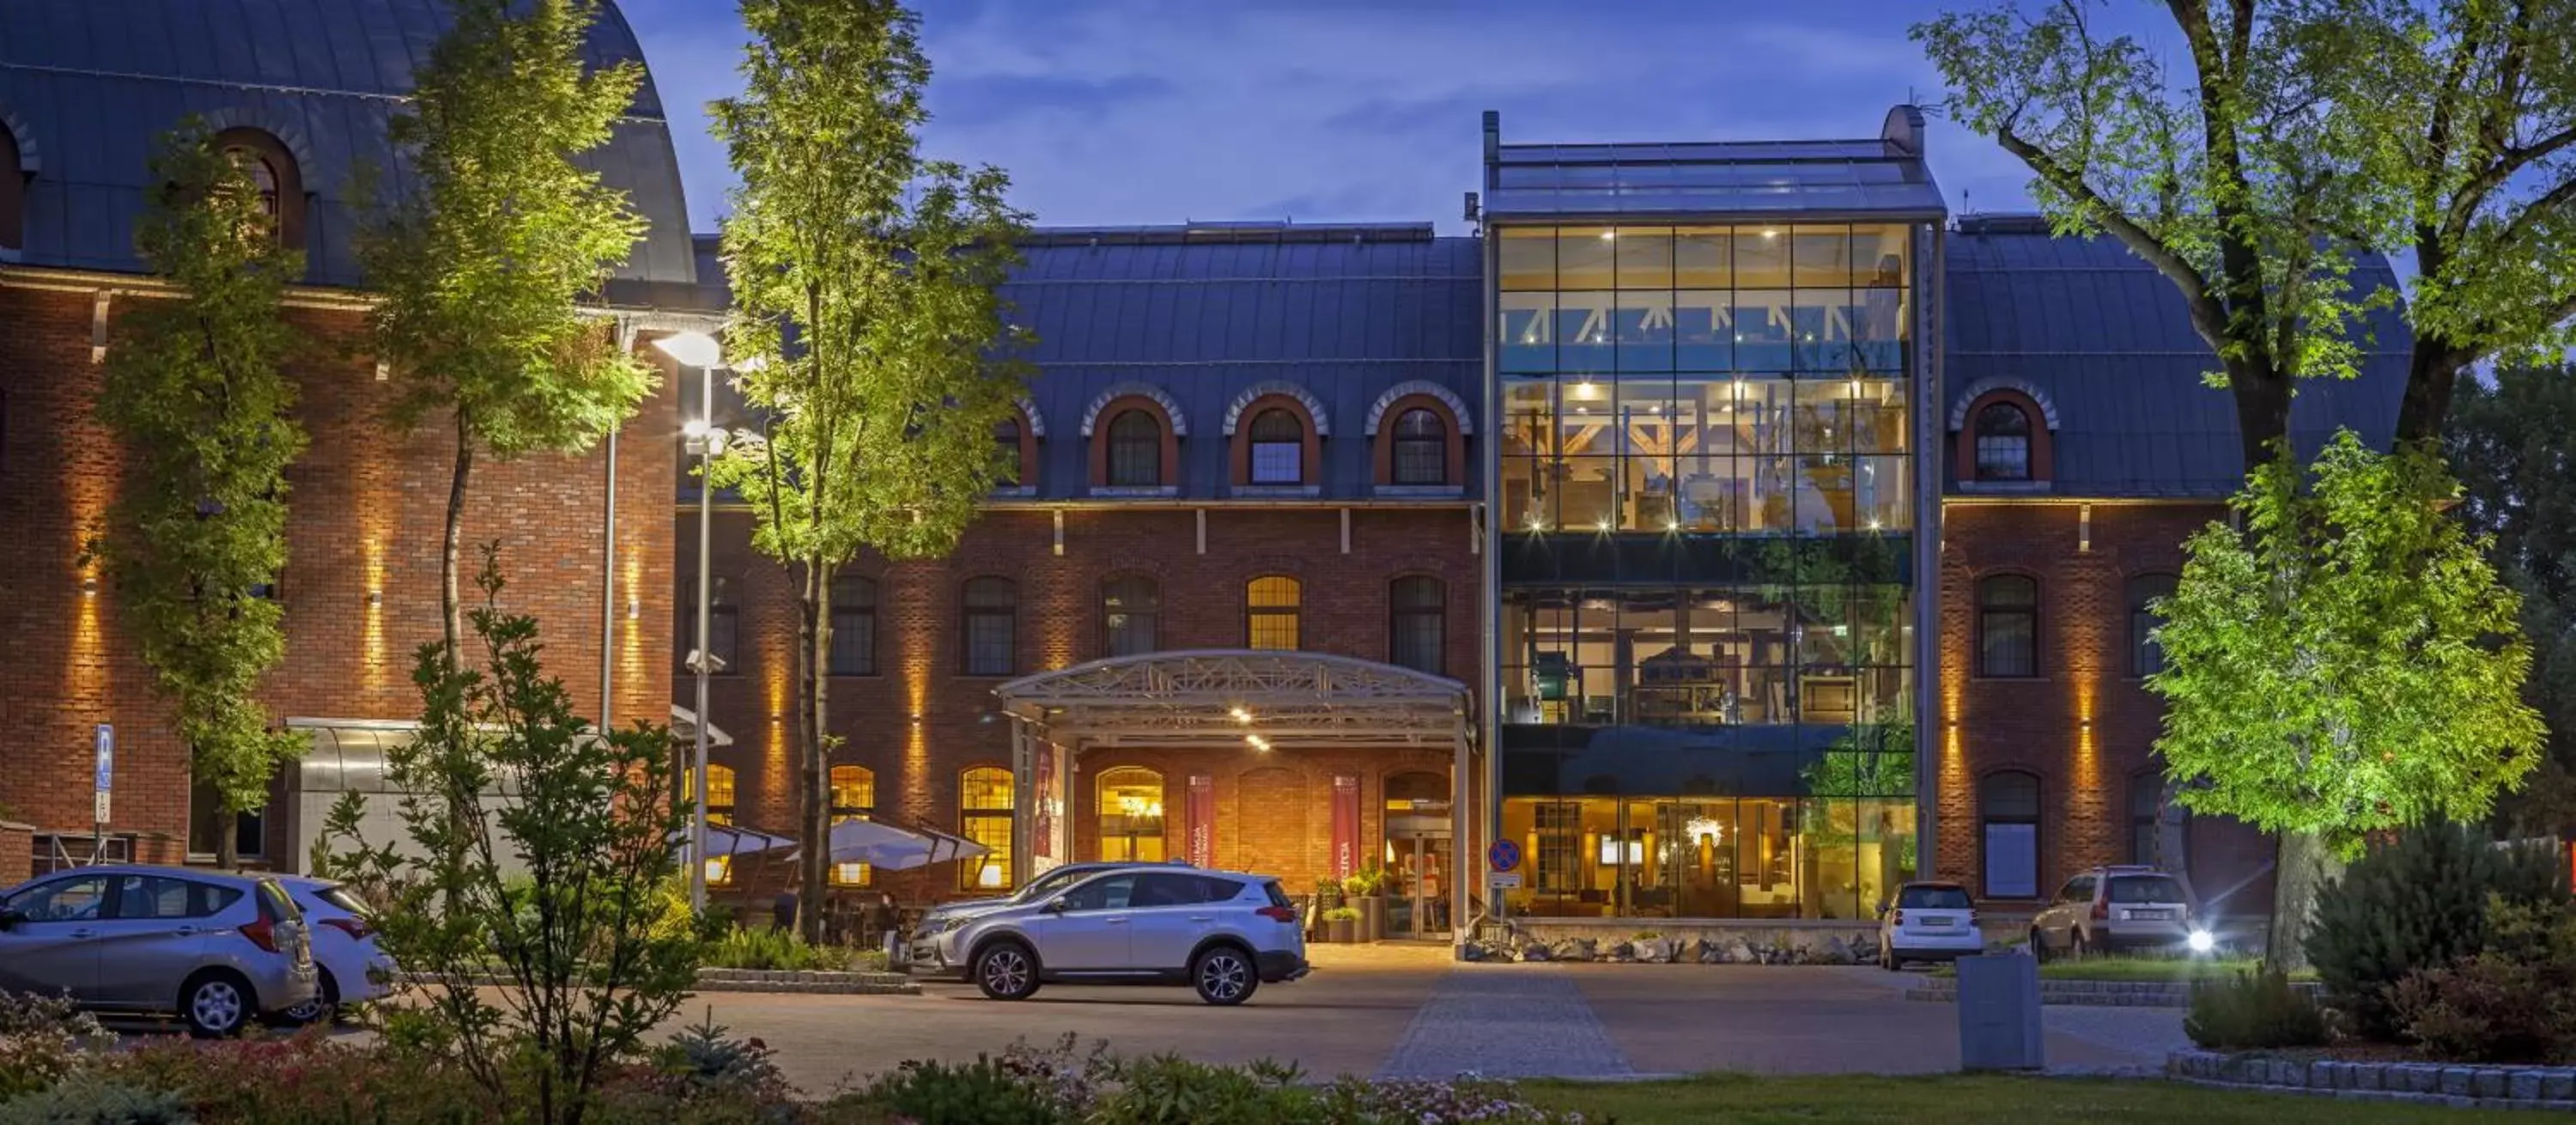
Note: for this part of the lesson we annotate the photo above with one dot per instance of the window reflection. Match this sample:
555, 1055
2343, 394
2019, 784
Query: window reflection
1783, 857
1707, 657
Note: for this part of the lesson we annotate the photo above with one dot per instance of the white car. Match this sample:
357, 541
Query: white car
921, 950
1223, 933
344, 946
1928, 922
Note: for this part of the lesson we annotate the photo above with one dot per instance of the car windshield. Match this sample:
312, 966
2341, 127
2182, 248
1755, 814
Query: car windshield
1053, 881
2145, 888
1933, 898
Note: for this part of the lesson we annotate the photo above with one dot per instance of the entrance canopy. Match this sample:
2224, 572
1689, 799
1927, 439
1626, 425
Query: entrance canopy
1269, 699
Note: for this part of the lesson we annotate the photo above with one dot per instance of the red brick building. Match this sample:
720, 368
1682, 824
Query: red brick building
80, 105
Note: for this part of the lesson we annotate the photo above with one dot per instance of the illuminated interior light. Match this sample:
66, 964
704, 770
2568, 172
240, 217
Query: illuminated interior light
1605, 525
1672, 525
1768, 233
1240, 715
1608, 235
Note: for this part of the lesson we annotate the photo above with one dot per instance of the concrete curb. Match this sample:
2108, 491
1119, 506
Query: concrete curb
772, 980
2091, 993
2489, 1087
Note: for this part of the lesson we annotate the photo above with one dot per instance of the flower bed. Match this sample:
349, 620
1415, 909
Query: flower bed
2537, 1087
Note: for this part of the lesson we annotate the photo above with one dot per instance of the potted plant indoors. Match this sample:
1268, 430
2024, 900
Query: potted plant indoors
1340, 924
1364, 892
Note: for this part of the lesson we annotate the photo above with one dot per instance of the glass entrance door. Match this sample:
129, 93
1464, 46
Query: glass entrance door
1419, 887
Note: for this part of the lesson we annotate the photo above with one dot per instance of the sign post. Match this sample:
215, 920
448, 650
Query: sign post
1504, 857
104, 744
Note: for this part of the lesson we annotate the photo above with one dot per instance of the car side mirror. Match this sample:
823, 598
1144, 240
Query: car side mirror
9, 919
1057, 905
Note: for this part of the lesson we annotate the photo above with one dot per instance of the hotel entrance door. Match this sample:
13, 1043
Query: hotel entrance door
1418, 885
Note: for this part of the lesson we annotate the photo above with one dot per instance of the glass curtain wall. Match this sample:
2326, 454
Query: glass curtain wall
1734, 737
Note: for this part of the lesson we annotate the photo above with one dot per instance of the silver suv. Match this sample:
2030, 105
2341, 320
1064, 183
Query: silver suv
2115, 908
216, 949
922, 948
1222, 933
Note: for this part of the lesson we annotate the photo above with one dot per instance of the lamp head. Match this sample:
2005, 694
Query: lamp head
692, 349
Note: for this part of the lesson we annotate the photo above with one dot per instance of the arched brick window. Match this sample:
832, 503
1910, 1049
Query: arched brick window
1131, 815
2003, 440
272, 170
1279, 444
1008, 439
1135, 449
1273, 606
2008, 626
2008, 807
1131, 612
1421, 448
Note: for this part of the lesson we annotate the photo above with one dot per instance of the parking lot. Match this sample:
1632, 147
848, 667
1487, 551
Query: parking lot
1411, 1011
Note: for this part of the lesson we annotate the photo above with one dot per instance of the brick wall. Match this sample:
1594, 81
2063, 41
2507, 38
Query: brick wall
364, 516
1277, 822
2086, 725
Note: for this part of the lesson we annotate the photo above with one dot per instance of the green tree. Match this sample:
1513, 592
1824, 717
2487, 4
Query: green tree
197, 536
2513, 443
2349, 665
536, 850
879, 421
484, 251
2293, 133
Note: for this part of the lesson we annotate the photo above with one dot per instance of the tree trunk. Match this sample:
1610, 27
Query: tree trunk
2305, 861
2262, 411
813, 792
451, 603
2432, 373
227, 839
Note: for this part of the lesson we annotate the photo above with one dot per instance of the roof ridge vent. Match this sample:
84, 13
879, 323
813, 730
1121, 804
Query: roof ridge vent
2005, 222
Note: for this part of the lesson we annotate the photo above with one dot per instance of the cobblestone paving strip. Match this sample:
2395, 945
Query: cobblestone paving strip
1519, 1022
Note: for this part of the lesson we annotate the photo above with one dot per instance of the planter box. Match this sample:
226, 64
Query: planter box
1339, 930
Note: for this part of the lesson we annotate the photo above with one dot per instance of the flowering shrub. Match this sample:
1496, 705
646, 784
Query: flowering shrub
89, 1100
307, 1078
41, 1040
1466, 1100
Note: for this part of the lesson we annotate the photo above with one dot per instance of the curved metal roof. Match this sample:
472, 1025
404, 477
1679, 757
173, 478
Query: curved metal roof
2104, 342
94, 82
1342, 312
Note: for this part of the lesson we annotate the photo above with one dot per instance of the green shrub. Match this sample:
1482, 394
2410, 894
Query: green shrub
760, 947
703, 1063
2253, 1011
2419, 901
42, 1039
309, 1079
2513, 1003
1342, 914
983, 1092
1328, 893
91, 1100
1170, 1090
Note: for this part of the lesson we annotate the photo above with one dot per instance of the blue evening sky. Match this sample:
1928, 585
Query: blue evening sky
1160, 111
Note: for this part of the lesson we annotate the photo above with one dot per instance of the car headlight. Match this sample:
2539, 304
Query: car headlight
2200, 941
948, 925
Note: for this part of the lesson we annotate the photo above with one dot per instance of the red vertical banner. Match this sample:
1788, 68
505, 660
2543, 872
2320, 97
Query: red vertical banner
1346, 825
1202, 820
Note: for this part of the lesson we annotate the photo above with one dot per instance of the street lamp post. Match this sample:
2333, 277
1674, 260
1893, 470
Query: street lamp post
705, 441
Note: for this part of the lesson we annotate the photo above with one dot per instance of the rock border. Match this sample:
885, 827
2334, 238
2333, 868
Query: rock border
775, 980
2091, 993
2491, 1087
1532, 948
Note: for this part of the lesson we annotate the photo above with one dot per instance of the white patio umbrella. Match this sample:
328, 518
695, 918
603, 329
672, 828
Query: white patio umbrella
887, 847
727, 840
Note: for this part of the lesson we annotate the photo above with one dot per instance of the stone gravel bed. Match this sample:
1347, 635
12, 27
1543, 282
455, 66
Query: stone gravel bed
2510, 1087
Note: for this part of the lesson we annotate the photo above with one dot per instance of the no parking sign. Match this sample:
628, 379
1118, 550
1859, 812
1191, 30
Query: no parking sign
1504, 855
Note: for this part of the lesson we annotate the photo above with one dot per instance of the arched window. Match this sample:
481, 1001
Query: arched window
1006, 440
1135, 450
1421, 448
2146, 657
723, 614
1278, 448
2003, 442
1417, 632
984, 816
854, 626
273, 174
854, 797
2146, 801
720, 799
991, 621
1271, 607
1131, 613
2008, 626
1131, 815
263, 176
13, 201
2008, 811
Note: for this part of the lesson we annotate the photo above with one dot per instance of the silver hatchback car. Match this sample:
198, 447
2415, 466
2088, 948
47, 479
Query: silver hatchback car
216, 949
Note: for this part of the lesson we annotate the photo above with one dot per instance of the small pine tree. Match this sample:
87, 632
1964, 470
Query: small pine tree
2419, 901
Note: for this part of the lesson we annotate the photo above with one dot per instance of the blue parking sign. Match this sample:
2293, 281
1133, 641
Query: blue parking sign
1504, 855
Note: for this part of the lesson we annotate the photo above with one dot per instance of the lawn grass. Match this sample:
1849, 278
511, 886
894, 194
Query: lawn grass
2145, 969
1939, 1099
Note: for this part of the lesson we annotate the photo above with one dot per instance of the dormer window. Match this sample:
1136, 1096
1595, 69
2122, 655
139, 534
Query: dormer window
1278, 448
274, 175
2003, 442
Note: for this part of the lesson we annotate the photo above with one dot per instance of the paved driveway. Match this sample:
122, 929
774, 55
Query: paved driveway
1410, 1011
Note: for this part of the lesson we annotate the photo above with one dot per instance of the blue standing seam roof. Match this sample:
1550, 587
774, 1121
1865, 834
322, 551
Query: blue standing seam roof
93, 83
2106, 342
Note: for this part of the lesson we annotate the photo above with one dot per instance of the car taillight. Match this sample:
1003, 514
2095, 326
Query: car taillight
1896, 916
1286, 914
356, 928
2101, 910
261, 934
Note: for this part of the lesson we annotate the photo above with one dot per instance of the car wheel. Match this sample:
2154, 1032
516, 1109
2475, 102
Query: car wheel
1006, 970
324, 1005
216, 1005
1224, 976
